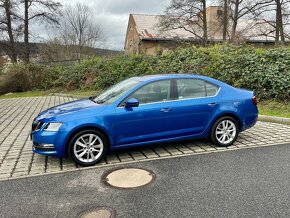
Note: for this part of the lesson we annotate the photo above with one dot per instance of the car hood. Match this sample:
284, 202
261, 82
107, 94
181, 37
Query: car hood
68, 109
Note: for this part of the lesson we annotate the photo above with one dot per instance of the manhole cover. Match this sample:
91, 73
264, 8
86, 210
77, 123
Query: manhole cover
98, 212
129, 177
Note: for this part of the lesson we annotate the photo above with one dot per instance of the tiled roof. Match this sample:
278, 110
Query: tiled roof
249, 30
147, 28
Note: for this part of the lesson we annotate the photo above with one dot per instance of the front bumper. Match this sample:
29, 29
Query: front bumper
48, 143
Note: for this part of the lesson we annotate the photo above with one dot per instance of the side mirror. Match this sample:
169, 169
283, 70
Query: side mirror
131, 102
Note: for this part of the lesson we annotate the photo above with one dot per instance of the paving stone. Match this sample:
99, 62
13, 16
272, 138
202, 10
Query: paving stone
124, 156
149, 153
21, 170
232, 147
161, 151
137, 155
208, 148
241, 145
112, 159
199, 150
172, 150
19, 174
4, 176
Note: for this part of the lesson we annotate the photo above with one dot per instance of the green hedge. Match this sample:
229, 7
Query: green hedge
266, 71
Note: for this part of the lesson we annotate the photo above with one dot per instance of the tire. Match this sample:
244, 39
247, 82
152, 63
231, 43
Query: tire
224, 131
88, 147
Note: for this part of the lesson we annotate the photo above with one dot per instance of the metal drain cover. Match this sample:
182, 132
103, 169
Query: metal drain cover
129, 178
98, 212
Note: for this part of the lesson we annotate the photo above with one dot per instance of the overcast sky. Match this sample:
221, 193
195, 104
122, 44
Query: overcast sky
113, 16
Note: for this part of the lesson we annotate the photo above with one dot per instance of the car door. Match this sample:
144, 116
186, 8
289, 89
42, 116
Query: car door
197, 101
149, 121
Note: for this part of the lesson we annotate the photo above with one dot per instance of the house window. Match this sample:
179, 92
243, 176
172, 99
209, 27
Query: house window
220, 13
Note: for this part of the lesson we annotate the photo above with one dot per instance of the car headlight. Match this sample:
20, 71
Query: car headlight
53, 127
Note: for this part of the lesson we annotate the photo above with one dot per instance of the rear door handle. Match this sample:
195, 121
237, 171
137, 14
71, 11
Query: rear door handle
165, 110
212, 104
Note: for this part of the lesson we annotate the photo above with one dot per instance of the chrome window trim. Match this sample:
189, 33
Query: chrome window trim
186, 99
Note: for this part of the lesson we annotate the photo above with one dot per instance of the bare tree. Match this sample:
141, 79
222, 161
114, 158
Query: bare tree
189, 15
78, 29
251, 9
40, 10
276, 13
9, 25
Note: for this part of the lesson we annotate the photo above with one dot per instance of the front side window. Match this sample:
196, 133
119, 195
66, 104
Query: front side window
154, 92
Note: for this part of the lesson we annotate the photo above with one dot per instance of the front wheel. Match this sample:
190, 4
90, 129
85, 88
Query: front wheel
224, 131
88, 147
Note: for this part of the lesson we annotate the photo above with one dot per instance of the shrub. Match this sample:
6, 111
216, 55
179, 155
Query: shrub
15, 81
266, 71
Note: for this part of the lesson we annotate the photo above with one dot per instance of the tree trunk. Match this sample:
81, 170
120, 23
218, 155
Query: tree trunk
235, 20
279, 22
205, 39
26, 32
225, 20
13, 53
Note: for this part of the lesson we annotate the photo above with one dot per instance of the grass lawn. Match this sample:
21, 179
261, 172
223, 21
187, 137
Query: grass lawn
274, 108
269, 107
48, 92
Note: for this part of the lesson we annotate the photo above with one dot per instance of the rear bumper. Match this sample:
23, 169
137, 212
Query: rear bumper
249, 120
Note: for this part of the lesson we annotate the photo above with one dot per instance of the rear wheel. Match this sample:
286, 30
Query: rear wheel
88, 147
224, 131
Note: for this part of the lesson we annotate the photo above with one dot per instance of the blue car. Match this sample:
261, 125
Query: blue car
142, 111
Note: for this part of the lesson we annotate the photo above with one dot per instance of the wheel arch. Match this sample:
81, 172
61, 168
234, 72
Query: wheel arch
229, 114
86, 127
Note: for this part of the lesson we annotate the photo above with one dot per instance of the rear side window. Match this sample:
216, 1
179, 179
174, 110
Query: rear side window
195, 88
211, 90
190, 88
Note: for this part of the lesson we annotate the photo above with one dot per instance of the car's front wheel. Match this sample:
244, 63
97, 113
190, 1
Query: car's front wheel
224, 131
88, 147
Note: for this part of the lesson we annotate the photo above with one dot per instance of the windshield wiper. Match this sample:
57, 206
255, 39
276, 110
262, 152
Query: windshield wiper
92, 99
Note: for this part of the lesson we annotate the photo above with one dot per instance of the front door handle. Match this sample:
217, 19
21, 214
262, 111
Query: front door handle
212, 104
165, 110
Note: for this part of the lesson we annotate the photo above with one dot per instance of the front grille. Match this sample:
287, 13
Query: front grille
36, 125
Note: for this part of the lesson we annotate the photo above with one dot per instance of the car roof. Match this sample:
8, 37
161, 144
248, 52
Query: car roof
148, 78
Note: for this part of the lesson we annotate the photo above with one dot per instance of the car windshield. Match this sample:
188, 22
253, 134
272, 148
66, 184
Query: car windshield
115, 91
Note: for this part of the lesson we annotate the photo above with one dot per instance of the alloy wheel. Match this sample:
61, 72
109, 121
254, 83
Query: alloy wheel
226, 132
88, 148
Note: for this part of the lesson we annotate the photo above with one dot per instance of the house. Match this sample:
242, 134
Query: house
145, 37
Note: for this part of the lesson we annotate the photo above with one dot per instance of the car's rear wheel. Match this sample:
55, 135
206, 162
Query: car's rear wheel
224, 131
88, 147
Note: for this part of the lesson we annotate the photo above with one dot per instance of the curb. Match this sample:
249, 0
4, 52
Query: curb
281, 120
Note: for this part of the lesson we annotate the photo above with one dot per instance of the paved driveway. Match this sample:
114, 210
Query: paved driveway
17, 160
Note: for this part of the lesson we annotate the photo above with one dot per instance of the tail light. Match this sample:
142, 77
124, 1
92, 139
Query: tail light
254, 99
